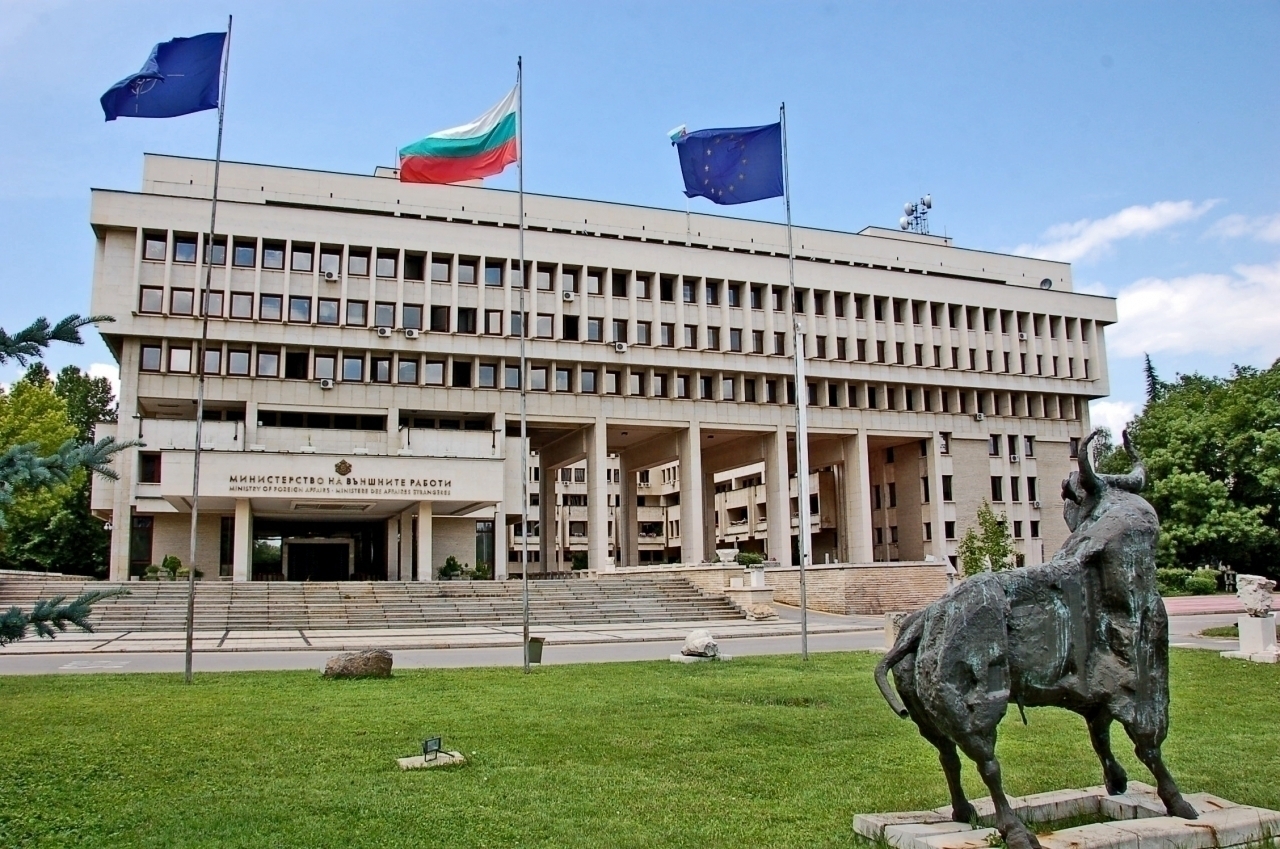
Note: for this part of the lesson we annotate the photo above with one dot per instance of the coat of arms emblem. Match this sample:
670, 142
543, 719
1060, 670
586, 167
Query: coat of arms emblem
342, 467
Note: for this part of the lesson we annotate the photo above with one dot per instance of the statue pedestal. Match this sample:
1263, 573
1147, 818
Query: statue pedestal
1257, 640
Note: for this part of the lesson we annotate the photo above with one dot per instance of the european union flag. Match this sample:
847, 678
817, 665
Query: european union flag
736, 165
180, 76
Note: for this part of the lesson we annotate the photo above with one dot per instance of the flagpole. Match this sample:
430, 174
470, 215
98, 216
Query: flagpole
524, 419
204, 341
802, 401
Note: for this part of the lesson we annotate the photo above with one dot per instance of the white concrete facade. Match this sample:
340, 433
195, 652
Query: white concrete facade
361, 397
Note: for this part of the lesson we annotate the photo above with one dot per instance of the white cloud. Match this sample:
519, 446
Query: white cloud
1090, 237
1113, 415
110, 372
1229, 314
1264, 228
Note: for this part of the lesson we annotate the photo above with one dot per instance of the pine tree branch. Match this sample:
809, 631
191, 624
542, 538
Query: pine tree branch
50, 616
30, 342
22, 467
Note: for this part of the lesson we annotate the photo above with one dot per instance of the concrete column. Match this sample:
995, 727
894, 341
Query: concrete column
500, 542
934, 509
709, 512
856, 480
393, 548
405, 526
125, 463
242, 549
777, 497
548, 511
598, 495
627, 517
425, 572
692, 508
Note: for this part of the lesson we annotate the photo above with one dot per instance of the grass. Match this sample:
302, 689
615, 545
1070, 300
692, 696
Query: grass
760, 752
1231, 631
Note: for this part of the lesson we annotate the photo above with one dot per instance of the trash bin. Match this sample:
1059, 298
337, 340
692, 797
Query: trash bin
535, 649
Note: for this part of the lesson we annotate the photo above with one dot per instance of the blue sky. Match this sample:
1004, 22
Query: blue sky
1137, 140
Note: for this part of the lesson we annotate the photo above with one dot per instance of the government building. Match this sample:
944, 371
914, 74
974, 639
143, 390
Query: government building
362, 415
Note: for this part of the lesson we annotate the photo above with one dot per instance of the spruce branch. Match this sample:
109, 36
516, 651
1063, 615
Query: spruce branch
22, 467
30, 342
51, 616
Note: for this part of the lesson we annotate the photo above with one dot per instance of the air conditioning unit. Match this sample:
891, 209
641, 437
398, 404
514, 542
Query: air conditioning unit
1035, 505
326, 383
979, 417
384, 332
620, 347
1013, 458
568, 297
412, 333
1022, 337
330, 276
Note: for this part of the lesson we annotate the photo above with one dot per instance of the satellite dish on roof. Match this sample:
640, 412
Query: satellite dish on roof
1046, 283
928, 201
904, 222
908, 208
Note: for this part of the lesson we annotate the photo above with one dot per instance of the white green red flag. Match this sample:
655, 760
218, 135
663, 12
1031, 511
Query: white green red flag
479, 149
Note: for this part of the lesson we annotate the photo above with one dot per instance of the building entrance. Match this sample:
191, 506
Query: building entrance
301, 550
318, 559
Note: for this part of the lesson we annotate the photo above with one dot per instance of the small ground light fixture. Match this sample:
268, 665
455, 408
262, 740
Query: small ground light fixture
431, 748
916, 219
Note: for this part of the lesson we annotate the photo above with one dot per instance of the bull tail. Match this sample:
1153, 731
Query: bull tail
906, 644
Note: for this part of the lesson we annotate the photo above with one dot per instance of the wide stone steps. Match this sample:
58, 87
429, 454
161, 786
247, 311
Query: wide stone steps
161, 605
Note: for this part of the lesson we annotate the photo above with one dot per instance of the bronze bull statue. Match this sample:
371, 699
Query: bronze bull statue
1086, 631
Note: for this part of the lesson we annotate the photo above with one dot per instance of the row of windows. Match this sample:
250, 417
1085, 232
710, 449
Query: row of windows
386, 263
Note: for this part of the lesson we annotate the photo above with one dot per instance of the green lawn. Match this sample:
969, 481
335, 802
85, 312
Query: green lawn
757, 752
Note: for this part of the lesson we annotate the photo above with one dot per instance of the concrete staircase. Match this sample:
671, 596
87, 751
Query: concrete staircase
222, 605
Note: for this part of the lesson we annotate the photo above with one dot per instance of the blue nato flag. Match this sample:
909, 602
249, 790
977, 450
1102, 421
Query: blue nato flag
180, 76
736, 165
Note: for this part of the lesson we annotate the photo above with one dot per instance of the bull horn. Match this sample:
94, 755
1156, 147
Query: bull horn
1089, 480
1137, 478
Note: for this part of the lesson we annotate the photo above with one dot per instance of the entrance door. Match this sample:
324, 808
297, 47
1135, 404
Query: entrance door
319, 561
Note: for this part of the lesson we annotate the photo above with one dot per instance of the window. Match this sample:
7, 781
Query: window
295, 365
244, 254
357, 313
493, 322
380, 369
414, 266
928, 531
1015, 490
682, 386
300, 310
643, 287
667, 335
749, 390
842, 349
690, 292
384, 315
212, 303
564, 380
219, 251
636, 383
735, 294
727, 389
612, 383
1031, 489
273, 255
949, 528
545, 327
538, 378
780, 343
997, 488
757, 341
467, 271
543, 277
1035, 529
659, 385
619, 284
407, 371
353, 368
771, 391
1074, 448
1028, 446
153, 246
713, 293
212, 360
269, 307
893, 534
152, 299
799, 298
238, 363
568, 280
433, 374
944, 442
517, 322
691, 335
839, 304
301, 258
268, 363
493, 273
512, 380
757, 297
1017, 530
822, 347
946, 488
330, 262
487, 376
735, 339
440, 268
327, 311
900, 353
325, 365
569, 328
667, 289
466, 319
893, 495
440, 319
713, 338
862, 349
620, 330
993, 445
588, 381
643, 333
411, 316
148, 467
705, 387
594, 286
595, 330
180, 360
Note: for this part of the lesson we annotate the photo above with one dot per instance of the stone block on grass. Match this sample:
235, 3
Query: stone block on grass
371, 663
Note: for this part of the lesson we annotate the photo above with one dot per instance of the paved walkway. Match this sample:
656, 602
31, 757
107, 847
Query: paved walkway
1192, 604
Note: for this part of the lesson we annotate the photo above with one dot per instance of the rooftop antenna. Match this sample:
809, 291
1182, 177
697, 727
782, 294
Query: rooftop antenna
916, 219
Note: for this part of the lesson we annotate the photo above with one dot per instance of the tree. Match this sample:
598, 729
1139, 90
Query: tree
989, 546
28, 468
89, 400
1212, 452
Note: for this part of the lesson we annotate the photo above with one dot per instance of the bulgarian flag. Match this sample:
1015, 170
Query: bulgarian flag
479, 149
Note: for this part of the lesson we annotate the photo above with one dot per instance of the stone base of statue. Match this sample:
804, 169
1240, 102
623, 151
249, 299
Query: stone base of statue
1133, 820
1257, 640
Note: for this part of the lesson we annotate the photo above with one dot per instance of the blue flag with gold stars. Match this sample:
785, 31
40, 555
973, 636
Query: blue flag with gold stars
736, 165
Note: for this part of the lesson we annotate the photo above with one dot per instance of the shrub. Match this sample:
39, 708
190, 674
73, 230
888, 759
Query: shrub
484, 571
450, 568
171, 564
153, 572
579, 560
1171, 581
749, 558
1203, 582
